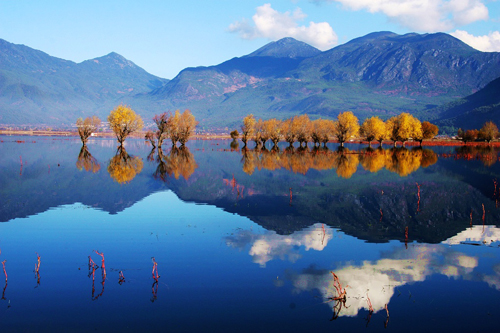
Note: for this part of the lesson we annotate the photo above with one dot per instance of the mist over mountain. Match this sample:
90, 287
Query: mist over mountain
380, 74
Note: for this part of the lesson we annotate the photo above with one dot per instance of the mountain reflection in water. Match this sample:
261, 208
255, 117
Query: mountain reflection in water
247, 239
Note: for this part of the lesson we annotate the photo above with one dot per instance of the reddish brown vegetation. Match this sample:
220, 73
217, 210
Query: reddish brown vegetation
155, 269
121, 278
235, 186
340, 299
406, 237
4, 271
37, 269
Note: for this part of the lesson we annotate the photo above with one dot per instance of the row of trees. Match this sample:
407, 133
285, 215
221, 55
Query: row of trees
123, 121
301, 129
488, 132
178, 127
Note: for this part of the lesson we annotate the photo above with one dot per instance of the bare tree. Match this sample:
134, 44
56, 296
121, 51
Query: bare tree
87, 127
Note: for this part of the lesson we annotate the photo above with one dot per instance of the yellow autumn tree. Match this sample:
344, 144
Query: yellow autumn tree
274, 128
489, 131
321, 130
303, 129
257, 134
428, 132
373, 128
124, 121
182, 127
346, 127
290, 129
248, 128
403, 127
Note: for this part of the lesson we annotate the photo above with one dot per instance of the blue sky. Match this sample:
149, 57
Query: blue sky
163, 37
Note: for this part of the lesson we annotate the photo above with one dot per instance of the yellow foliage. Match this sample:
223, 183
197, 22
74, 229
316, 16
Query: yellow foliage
273, 130
321, 130
346, 126
303, 125
373, 128
247, 128
124, 121
403, 127
429, 130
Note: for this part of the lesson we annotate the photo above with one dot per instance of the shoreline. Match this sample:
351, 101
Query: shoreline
140, 135
101, 134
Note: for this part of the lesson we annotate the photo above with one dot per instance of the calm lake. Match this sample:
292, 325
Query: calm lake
211, 238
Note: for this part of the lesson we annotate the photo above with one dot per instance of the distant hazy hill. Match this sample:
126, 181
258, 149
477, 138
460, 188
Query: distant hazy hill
37, 88
378, 74
473, 111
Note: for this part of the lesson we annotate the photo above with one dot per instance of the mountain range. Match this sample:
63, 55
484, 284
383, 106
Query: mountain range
382, 74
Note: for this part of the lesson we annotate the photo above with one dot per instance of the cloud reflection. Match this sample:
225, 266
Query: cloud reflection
268, 246
476, 234
381, 278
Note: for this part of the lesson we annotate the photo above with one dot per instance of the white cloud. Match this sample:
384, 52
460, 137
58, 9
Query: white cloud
273, 25
485, 43
423, 15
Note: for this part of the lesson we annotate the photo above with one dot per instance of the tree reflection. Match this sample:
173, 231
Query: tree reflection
399, 160
403, 161
87, 161
373, 160
486, 154
123, 167
179, 162
234, 144
346, 163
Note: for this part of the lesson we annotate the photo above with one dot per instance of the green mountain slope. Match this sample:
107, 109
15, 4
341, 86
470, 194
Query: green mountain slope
472, 111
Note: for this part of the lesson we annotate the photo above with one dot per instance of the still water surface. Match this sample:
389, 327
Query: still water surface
247, 241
